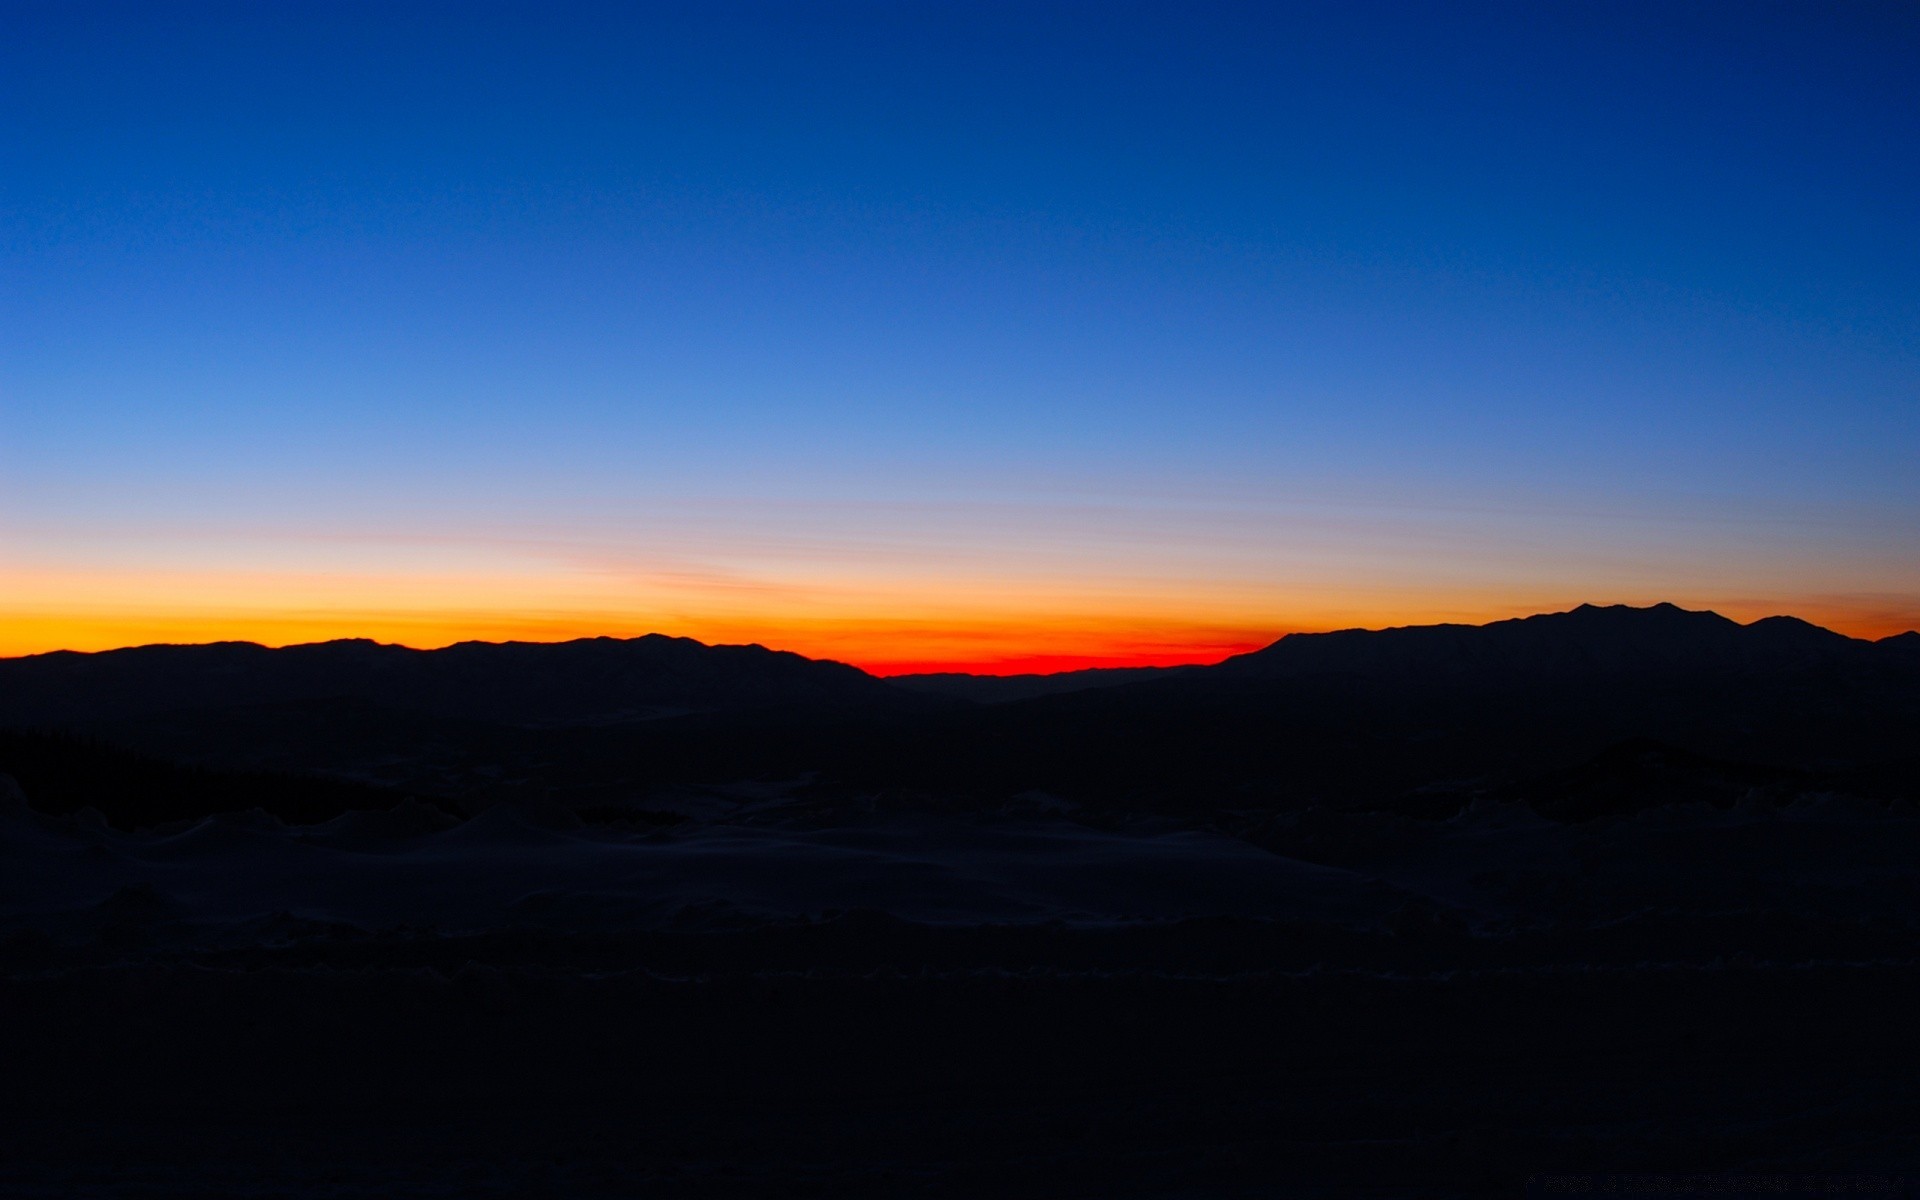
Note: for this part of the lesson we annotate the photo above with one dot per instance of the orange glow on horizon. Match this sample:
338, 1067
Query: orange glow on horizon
1006, 650
978, 649
885, 627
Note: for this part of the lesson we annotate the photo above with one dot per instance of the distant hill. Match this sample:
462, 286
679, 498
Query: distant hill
1614, 642
593, 681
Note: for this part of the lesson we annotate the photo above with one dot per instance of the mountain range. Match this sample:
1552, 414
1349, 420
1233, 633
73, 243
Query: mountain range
1349, 717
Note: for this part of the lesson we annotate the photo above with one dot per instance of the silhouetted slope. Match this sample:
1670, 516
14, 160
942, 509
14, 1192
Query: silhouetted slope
590, 681
1616, 642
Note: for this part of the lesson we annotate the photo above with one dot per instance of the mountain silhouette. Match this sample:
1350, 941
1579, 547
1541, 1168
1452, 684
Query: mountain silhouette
1355, 717
585, 682
1616, 641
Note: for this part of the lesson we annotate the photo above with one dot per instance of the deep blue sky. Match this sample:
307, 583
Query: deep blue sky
1179, 322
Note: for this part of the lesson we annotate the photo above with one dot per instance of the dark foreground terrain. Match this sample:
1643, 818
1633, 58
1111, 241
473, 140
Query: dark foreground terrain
917, 950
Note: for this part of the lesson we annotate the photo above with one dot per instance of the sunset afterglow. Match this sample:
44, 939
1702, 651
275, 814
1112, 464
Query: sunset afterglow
948, 337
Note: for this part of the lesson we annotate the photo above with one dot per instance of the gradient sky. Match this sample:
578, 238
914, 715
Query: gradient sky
924, 334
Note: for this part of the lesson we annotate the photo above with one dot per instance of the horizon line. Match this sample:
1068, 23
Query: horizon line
998, 666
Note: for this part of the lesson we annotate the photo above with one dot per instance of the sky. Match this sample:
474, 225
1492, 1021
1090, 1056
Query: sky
951, 336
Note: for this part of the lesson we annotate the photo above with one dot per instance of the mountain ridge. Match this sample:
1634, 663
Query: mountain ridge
612, 681
1599, 638
1356, 716
580, 681
1588, 613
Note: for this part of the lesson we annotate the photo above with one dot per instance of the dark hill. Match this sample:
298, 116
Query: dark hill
1614, 642
593, 681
